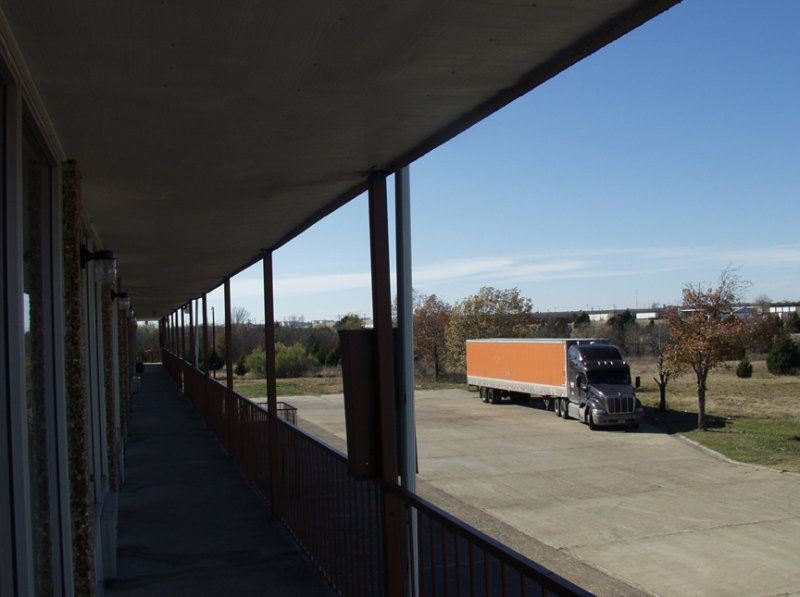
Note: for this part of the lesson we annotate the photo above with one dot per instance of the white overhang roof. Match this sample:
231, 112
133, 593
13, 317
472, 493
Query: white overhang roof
207, 132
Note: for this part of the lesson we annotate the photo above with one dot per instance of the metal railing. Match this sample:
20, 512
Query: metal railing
452, 558
337, 519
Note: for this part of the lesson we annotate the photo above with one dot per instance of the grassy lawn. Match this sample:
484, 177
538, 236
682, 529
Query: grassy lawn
755, 420
298, 386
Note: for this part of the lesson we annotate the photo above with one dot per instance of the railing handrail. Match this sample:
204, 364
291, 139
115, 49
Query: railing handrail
522, 564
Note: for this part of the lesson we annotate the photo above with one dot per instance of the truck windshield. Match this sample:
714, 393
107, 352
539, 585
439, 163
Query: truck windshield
600, 353
613, 377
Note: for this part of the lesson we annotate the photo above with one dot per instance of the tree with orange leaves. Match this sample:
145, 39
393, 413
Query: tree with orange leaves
704, 334
431, 316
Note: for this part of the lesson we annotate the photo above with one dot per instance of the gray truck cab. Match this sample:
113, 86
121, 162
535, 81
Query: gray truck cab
599, 386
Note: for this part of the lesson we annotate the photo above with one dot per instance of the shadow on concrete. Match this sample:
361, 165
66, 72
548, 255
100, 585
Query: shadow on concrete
190, 523
667, 422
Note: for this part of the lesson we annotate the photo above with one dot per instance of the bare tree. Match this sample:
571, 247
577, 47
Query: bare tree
240, 316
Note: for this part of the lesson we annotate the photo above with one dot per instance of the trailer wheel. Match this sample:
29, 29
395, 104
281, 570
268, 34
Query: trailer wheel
494, 397
482, 393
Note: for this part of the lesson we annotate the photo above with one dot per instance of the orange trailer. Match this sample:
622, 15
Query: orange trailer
521, 365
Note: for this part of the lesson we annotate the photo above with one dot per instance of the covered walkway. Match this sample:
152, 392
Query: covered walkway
190, 523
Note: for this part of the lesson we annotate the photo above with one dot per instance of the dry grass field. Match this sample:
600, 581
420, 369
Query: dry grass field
754, 420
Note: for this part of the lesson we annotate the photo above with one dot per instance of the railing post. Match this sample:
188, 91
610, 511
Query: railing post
392, 515
272, 389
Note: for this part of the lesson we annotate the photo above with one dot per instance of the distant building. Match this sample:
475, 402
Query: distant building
784, 309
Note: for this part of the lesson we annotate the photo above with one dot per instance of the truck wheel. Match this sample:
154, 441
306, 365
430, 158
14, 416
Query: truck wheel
565, 408
557, 407
590, 421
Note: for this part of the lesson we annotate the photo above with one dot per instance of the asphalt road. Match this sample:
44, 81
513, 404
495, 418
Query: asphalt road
618, 512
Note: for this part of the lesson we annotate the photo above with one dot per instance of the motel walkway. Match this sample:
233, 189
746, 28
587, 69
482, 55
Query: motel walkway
190, 523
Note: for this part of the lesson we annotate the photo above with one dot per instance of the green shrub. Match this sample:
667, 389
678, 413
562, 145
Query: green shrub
744, 368
256, 362
293, 361
784, 358
215, 361
241, 368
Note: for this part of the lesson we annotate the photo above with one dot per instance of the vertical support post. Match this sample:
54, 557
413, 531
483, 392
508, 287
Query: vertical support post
272, 388
205, 335
405, 360
214, 340
196, 346
228, 366
228, 337
405, 314
81, 499
192, 337
392, 521
183, 336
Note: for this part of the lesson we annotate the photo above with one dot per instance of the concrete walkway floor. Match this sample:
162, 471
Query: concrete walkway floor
189, 521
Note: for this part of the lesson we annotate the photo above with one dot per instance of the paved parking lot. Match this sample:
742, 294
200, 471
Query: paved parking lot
615, 511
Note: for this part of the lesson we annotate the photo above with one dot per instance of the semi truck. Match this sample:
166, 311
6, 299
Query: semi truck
578, 378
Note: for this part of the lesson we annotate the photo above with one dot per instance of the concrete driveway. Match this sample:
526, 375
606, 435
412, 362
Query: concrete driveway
615, 511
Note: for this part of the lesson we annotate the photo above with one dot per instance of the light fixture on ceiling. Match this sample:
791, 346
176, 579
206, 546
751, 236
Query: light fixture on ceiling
105, 270
123, 299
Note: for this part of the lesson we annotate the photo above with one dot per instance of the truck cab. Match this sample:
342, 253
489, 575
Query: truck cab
599, 389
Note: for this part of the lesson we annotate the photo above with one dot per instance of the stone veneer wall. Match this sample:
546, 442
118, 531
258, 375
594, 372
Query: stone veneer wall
77, 391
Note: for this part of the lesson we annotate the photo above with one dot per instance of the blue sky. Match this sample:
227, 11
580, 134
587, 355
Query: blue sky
659, 161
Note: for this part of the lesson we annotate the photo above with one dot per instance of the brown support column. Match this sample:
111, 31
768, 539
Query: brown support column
394, 556
228, 336
272, 388
205, 335
80, 489
228, 366
193, 357
183, 336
